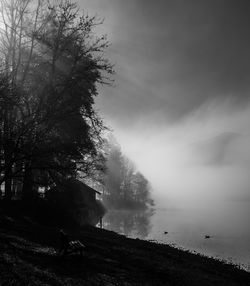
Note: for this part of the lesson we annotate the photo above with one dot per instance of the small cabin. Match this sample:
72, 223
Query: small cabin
86, 208
80, 192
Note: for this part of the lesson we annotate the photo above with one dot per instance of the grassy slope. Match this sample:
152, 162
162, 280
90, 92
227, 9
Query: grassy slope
28, 257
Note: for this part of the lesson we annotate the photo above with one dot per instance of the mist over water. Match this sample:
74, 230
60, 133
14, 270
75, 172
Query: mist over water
222, 234
180, 110
228, 235
202, 158
199, 165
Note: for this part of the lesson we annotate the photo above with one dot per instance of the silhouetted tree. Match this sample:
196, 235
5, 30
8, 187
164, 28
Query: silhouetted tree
51, 63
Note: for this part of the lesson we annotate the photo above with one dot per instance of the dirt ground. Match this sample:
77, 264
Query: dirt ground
29, 256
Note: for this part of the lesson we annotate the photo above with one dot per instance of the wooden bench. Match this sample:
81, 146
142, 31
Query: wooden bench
76, 246
70, 246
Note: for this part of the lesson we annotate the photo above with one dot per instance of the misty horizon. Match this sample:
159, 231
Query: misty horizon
132, 117
180, 102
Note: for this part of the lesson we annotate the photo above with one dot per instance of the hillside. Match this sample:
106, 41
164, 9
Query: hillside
28, 257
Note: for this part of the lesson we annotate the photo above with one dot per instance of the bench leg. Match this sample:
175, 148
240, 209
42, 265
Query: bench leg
81, 252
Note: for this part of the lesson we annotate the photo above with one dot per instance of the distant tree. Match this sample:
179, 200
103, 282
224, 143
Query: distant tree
114, 171
51, 63
128, 170
142, 189
125, 186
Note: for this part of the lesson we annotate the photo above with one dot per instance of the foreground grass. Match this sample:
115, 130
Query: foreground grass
28, 257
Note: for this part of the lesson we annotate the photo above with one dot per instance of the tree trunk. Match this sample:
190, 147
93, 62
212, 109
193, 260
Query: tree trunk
8, 185
27, 191
8, 170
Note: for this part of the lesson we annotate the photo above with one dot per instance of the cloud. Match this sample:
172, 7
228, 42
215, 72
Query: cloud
180, 104
216, 150
203, 157
172, 57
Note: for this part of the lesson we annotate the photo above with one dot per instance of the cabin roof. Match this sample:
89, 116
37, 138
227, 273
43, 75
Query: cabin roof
89, 188
81, 185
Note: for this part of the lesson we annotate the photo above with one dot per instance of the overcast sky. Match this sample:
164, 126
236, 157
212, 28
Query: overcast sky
180, 102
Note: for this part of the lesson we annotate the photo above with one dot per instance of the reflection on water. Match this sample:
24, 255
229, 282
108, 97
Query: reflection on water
223, 232
129, 223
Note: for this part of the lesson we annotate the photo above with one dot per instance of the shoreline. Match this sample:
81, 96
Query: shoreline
110, 259
239, 265
203, 241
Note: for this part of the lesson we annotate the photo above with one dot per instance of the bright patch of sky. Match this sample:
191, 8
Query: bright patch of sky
180, 102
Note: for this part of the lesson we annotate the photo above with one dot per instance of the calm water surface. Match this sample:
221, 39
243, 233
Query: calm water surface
227, 226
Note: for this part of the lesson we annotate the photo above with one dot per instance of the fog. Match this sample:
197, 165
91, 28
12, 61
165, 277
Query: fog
204, 156
179, 106
180, 109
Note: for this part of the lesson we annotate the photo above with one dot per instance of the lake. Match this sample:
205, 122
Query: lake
222, 232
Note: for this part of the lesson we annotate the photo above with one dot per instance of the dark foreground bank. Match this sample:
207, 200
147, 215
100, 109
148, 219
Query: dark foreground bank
28, 257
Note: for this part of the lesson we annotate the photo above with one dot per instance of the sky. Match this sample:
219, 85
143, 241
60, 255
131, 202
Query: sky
180, 104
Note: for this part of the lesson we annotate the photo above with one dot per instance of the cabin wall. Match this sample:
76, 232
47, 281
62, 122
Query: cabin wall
88, 197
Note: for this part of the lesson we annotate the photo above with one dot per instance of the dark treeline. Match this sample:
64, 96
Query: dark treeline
50, 65
125, 186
